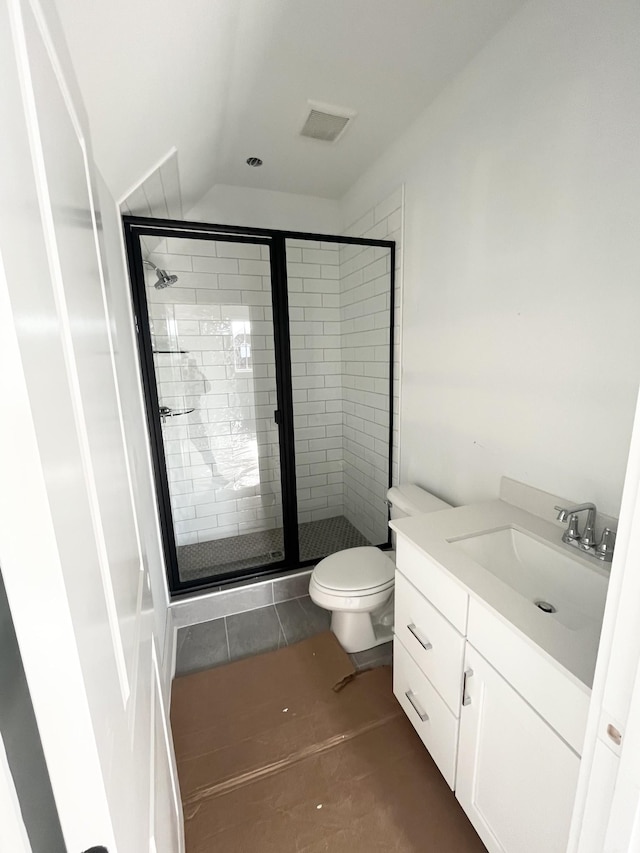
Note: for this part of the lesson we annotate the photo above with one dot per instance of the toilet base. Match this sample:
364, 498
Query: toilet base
355, 631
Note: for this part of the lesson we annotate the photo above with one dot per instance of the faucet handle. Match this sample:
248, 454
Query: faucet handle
572, 533
604, 551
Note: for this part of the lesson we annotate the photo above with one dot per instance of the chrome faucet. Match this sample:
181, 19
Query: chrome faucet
586, 541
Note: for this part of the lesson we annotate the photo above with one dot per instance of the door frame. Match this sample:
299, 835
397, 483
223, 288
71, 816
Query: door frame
139, 226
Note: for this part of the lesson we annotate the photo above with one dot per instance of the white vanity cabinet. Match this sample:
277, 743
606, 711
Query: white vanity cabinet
434, 722
429, 653
432, 641
502, 721
516, 778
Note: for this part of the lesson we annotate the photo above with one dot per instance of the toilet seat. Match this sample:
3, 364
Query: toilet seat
355, 572
356, 584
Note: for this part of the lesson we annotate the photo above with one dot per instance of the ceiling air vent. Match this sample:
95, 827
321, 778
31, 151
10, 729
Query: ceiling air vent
325, 122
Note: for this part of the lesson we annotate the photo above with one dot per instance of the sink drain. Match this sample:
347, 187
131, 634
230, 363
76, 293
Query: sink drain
545, 606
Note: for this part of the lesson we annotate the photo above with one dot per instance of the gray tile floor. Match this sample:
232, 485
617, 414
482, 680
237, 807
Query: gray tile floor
230, 638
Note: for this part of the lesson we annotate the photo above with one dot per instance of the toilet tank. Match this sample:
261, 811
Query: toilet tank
409, 499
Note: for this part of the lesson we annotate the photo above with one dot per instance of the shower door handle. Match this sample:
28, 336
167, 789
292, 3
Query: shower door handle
168, 412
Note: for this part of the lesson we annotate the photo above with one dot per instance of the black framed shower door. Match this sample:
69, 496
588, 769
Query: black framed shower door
241, 364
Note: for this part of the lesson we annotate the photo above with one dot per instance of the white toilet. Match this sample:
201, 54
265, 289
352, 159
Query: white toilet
357, 584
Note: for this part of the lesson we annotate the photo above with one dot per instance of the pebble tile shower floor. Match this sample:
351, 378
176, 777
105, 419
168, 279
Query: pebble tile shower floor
317, 539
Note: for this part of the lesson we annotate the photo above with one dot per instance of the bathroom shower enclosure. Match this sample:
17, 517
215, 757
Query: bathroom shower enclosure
267, 368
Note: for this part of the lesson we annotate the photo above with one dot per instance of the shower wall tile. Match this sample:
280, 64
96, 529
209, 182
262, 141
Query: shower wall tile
227, 448
316, 354
182, 246
240, 599
217, 265
339, 304
224, 603
365, 306
291, 586
240, 250
321, 256
252, 267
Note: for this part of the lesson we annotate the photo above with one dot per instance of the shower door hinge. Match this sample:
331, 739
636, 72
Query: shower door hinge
135, 323
276, 417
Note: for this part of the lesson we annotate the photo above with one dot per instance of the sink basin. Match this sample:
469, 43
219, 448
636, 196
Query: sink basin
542, 573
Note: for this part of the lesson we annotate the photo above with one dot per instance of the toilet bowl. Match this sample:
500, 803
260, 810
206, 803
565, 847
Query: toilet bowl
356, 584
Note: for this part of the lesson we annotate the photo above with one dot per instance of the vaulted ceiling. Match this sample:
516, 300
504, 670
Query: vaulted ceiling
223, 80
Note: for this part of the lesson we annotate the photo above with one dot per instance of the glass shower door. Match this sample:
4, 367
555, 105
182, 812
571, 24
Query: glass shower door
339, 297
212, 337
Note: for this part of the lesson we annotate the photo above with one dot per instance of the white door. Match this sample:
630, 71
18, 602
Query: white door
74, 570
516, 778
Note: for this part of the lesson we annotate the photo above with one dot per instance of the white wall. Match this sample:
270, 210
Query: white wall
521, 345
226, 205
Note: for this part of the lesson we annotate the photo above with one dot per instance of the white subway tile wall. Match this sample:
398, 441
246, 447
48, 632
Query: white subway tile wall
339, 323
222, 459
313, 270
364, 314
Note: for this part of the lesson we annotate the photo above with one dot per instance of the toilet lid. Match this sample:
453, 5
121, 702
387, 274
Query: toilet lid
355, 569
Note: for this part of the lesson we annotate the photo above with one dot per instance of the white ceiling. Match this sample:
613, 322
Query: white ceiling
222, 80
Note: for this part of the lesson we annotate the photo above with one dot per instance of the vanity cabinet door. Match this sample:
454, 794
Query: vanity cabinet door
516, 778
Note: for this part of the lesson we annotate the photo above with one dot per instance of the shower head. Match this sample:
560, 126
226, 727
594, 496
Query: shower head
164, 279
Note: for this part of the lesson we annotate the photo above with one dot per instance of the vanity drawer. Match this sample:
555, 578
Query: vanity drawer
433, 642
431, 580
429, 715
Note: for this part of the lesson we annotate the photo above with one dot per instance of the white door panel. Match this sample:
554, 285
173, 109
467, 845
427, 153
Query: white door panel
69, 541
35, 583
80, 300
166, 822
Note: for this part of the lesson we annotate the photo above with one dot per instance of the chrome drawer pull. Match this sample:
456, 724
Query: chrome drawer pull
416, 707
426, 645
466, 700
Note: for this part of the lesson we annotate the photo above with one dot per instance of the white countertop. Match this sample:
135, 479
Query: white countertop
575, 650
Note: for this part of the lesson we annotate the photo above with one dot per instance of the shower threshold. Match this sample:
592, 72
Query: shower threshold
236, 553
